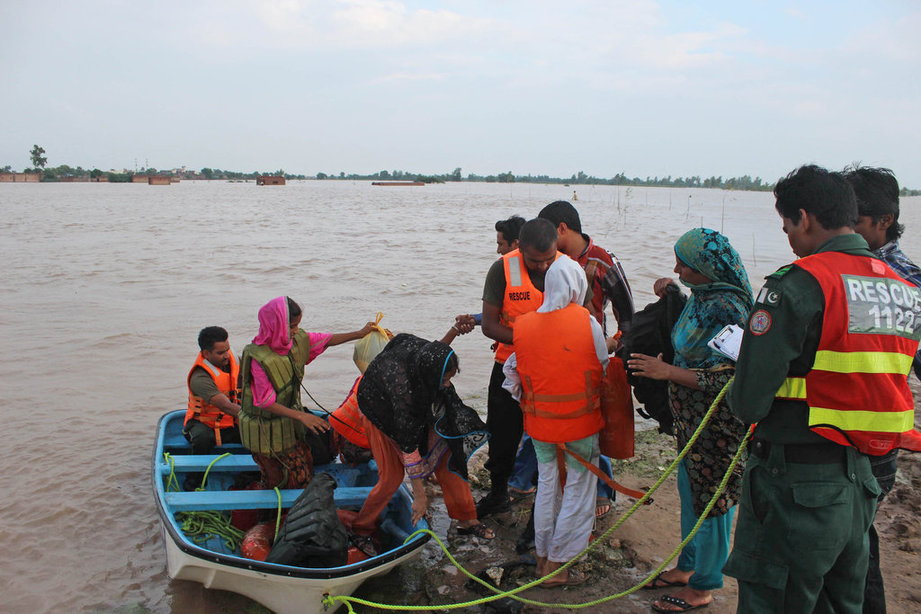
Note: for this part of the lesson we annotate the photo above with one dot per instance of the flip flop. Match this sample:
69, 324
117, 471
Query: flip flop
517, 494
478, 530
575, 578
660, 582
365, 543
602, 507
683, 606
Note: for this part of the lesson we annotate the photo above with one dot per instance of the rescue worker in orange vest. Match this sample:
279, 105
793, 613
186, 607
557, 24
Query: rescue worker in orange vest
214, 393
556, 372
514, 286
823, 373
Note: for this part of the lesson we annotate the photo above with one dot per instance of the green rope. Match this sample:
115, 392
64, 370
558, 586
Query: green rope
499, 594
200, 526
277, 515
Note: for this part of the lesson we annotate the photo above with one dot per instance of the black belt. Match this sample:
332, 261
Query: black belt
805, 453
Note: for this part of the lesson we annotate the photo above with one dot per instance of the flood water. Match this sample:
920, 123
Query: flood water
105, 287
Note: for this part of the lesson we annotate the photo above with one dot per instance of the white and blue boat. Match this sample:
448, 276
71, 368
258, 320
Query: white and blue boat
281, 588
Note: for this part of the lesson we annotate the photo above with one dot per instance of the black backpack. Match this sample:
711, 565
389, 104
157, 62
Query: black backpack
650, 333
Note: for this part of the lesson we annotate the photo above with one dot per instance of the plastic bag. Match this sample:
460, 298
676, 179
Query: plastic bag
371, 344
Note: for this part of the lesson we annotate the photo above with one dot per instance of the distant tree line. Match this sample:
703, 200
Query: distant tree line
734, 183
68, 173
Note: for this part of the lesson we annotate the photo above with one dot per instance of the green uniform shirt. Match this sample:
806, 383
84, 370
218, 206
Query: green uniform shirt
781, 340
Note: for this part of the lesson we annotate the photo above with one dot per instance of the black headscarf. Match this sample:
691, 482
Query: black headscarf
401, 394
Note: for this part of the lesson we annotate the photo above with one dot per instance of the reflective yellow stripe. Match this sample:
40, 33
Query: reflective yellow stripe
862, 362
877, 421
514, 271
792, 388
212, 369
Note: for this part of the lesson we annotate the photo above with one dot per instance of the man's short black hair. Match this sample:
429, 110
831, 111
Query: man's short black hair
209, 336
510, 228
822, 193
561, 211
877, 192
537, 234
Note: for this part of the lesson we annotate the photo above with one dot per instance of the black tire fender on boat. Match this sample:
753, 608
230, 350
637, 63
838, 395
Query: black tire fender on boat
312, 535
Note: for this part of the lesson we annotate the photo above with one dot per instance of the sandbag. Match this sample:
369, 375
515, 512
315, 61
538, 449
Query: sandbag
616, 438
650, 333
371, 344
312, 535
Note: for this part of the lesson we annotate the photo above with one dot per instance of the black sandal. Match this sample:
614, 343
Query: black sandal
478, 530
365, 543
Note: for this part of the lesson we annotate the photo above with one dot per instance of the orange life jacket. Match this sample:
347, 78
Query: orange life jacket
346, 419
560, 375
201, 409
521, 297
857, 390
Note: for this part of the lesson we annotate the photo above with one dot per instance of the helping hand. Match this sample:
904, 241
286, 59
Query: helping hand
647, 366
464, 323
420, 507
660, 284
314, 423
369, 328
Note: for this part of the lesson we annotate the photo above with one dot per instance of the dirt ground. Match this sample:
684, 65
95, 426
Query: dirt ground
628, 556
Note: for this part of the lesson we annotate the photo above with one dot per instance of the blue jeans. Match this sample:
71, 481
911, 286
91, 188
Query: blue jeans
707, 552
524, 472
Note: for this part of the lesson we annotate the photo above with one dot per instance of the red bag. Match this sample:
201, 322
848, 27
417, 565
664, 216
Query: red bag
258, 541
246, 519
616, 438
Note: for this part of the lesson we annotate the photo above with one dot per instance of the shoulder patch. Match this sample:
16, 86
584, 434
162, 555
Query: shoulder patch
780, 272
768, 296
760, 322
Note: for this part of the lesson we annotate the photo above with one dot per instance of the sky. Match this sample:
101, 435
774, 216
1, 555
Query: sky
642, 87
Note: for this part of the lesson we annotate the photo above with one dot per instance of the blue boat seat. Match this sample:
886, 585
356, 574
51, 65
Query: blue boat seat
254, 499
176, 441
344, 474
200, 462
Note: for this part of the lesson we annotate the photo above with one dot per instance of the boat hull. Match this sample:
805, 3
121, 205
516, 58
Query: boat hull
282, 594
281, 588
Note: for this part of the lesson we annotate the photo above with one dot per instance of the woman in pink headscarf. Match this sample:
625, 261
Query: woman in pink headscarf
273, 423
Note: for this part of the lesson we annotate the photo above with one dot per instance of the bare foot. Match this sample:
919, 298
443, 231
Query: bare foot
567, 577
541, 570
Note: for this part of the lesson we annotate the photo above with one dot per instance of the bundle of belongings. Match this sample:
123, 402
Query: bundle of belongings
650, 333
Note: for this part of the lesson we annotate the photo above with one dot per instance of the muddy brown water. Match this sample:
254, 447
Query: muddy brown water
104, 288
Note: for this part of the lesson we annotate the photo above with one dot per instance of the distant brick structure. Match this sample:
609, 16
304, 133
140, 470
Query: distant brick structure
20, 177
270, 180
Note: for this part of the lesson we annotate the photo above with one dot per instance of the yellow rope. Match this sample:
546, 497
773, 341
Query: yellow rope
348, 600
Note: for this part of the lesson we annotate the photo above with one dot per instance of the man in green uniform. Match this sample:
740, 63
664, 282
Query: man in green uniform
807, 500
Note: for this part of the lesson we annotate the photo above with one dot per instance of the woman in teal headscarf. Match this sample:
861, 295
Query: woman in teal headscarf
720, 295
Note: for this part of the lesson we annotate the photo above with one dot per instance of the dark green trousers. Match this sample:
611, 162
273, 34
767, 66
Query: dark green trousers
801, 541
